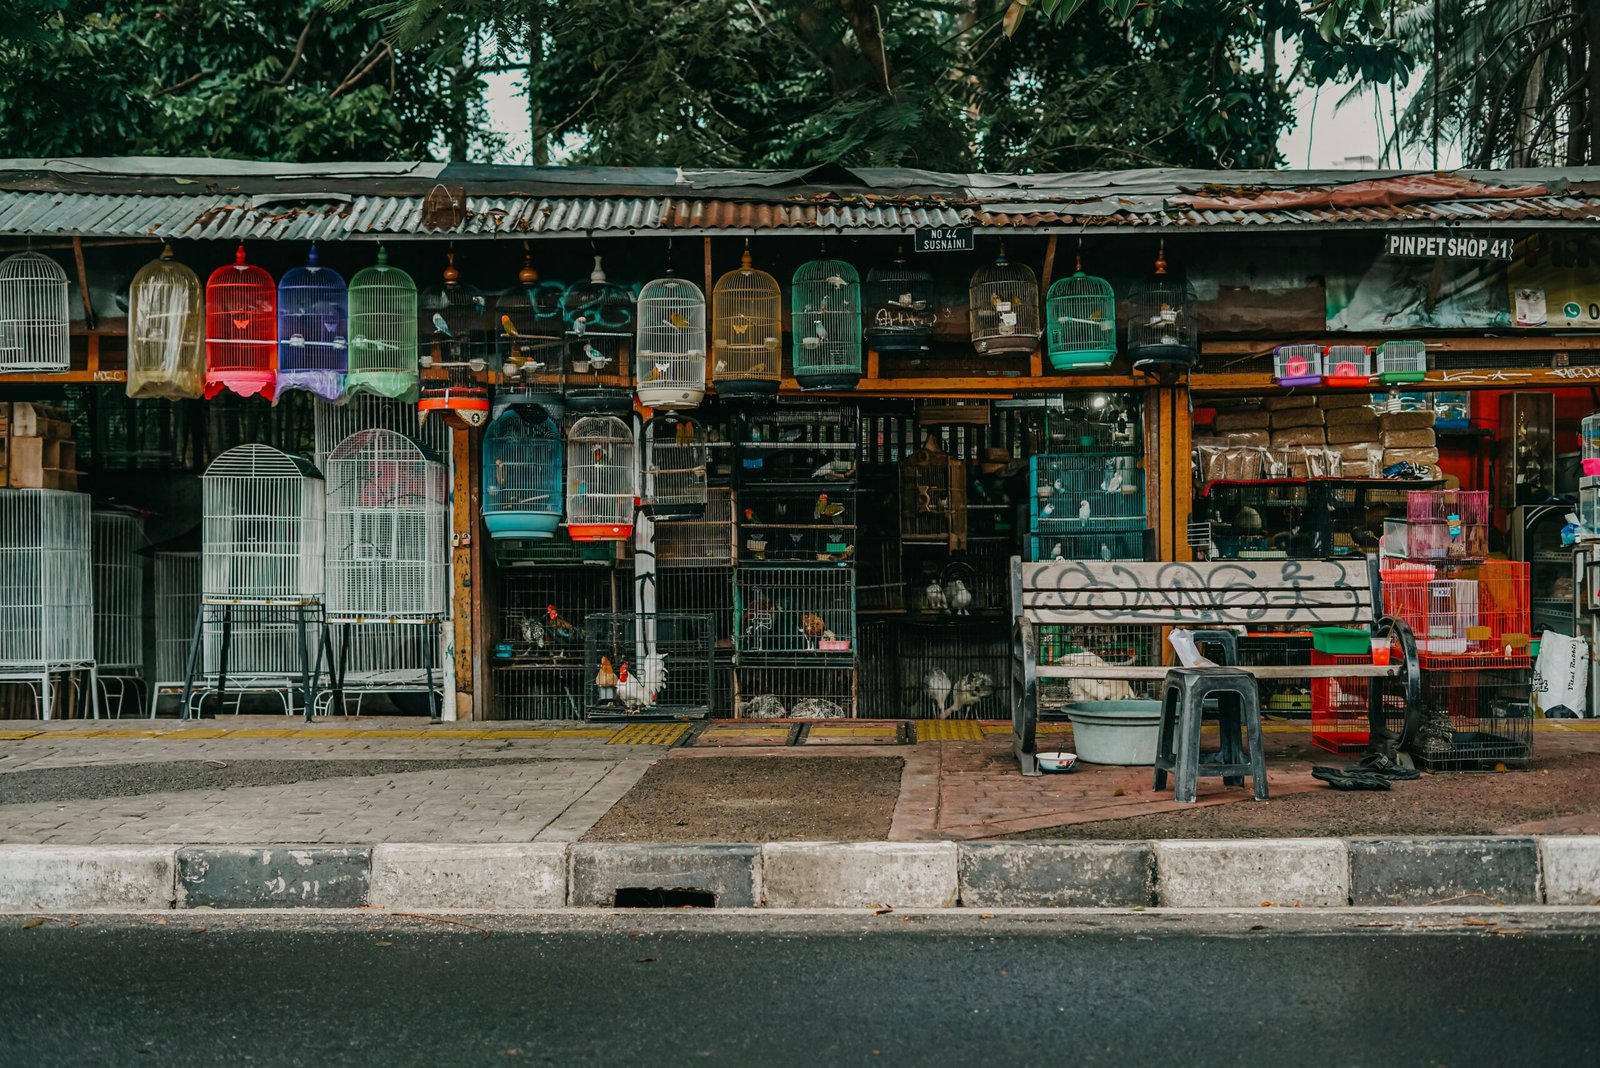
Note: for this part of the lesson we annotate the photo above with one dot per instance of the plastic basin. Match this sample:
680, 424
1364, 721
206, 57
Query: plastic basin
1116, 732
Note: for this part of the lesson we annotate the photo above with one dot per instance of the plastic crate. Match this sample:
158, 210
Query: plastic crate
1469, 615
1342, 641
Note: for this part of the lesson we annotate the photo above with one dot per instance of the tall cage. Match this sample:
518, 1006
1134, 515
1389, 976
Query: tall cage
47, 613
599, 316
531, 346
899, 307
241, 330
1003, 308
175, 592
1080, 314
313, 315
166, 331
263, 526
705, 541
383, 331
522, 496
825, 317
118, 591
746, 333
33, 314
674, 471
933, 497
1163, 321
601, 476
1400, 362
648, 666
670, 362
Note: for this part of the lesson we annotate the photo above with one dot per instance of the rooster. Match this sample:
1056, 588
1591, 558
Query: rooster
813, 627
761, 618
559, 627
605, 680
532, 631
638, 692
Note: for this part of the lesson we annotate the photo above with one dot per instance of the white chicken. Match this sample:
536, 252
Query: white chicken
640, 691
934, 596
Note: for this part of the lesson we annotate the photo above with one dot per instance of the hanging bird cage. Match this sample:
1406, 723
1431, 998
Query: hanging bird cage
166, 331
522, 474
33, 315
47, 614
747, 333
262, 528
388, 530
1297, 365
459, 334
531, 345
1163, 322
670, 361
313, 313
933, 497
676, 456
241, 330
599, 316
1080, 314
825, 316
601, 472
383, 331
1402, 361
1003, 308
899, 308
117, 538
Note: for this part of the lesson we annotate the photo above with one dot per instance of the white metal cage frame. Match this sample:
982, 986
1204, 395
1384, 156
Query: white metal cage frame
263, 528
34, 321
175, 595
602, 476
118, 592
670, 361
46, 591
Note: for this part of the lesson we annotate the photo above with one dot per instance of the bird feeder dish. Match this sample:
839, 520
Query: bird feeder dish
1297, 365
670, 359
601, 473
383, 332
900, 312
1003, 308
1163, 322
746, 333
313, 316
241, 330
166, 331
1080, 314
522, 490
1349, 366
599, 317
825, 318
262, 529
676, 458
33, 315
1400, 362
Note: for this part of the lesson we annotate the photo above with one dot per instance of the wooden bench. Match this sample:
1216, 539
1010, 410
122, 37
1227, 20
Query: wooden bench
1290, 594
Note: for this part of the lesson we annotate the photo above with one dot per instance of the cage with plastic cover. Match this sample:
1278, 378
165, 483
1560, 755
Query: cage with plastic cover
166, 331
825, 318
263, 522
1347, 365
117, 538
522, 492
899, 308
648, 666
746, 333
1402, 361
670, 358
47, 613
933, 496
1297, 365
602, 473
241, 330
599, 319
1163, 321
674, 472
456, 322
1080, 314
383, 331
1003, 308
531, 344
313, 315
388, 547
33, 314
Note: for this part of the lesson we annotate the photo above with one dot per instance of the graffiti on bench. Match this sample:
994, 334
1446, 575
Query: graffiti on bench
1285, 590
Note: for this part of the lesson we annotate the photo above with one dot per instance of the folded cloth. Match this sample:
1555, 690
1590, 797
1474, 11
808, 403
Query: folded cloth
1350, 778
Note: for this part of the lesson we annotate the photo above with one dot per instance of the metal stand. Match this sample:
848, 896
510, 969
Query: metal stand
338, 659
304, 615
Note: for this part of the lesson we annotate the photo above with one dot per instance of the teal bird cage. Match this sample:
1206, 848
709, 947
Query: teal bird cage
383, 331
1080, 313
825, 317
522, 490
313, 317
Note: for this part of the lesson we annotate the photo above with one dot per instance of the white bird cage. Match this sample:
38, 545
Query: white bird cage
166, 331
47, 611
33, 314
670, 364
676, 457
118, 592
175, 591
1003, 308
263, 528
602, 471
747, 333
388, 530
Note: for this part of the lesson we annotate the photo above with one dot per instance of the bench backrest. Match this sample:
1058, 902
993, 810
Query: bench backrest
1295, 593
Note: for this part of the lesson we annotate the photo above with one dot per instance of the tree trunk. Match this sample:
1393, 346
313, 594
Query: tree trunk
535, 45
1592, 40
863, 19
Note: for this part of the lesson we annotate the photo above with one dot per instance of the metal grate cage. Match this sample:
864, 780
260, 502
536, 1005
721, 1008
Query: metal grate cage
1080, 314
935, 672
1003, 308
703, 541
601, 477
825, 318
676, 468
1472, 721
241, 330
816, 691
1111, 644
706, 591
670, 362
383, 331
537, 654
46, 583
522, 496
118, 591
1076, 493
33, 314
899, 308
313, 318
794, 614
166, 331
648, 666
263, 528
175, 589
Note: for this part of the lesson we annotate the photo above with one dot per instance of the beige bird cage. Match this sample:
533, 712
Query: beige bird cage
166, 331
676, 456
670, 365
1003, 308
601, 475
33, 314
747, 333
933, 497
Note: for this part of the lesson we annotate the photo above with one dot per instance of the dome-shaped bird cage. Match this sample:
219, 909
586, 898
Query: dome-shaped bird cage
1080, 316
602, 470
670, 357
746, 333
676, 456
1163, 322
522, 495
457, 322
313, 316
383, 331
262, 528
388, 530
599, 317
825, 316
531, 345
899, 308
166, 331
33, 314
1003, 308
241, 330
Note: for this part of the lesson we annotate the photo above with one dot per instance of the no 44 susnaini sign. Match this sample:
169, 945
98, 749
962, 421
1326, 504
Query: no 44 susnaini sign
1449, 246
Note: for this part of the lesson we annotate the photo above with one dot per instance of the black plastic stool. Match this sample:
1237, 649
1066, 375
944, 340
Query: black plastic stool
1183, 708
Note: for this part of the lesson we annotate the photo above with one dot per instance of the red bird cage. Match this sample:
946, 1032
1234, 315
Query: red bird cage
241, 330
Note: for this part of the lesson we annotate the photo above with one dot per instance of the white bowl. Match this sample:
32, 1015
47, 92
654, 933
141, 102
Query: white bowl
1057, 760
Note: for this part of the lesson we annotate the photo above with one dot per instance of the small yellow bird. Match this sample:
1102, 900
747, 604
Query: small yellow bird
657, 373
677, 319
508, 326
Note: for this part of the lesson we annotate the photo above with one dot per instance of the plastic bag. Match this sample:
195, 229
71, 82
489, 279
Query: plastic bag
1561, 676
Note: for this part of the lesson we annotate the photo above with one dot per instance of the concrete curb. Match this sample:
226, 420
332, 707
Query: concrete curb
1311, 872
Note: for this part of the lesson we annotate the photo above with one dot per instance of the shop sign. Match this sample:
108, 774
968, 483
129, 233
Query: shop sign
943, 239
1454, 246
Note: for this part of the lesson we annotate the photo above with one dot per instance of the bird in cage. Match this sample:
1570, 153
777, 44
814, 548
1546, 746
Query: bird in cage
440, 326
762, 618
657, 373
814, 627
933, 597
678, 319
826, 509
580, 326
532, 632
598, 361
605, 680
508, 326
937, 686
969, 691
1083, 509
958, 597
559, 628
835, 470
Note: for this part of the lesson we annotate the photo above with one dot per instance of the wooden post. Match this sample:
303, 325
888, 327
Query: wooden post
711, 363
465, 570
1036, 360
83, 285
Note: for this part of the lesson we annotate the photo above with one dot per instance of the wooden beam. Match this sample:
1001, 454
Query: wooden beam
463, 584
84, 377
83, 289
1451, 380
992, 387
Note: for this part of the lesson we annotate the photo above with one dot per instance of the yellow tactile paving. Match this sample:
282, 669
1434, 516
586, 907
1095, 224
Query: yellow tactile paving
650, 734
854, 730
949, 730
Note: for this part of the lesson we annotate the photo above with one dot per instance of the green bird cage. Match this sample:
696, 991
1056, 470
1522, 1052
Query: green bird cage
383, 331
1402, 361
825, 316
1080, 322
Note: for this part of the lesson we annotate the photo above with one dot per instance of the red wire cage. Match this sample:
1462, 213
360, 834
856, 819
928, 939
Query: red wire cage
241, 330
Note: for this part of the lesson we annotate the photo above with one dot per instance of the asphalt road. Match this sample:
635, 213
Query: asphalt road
645, 989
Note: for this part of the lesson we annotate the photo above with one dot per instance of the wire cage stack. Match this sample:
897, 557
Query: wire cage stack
1080, 313
241, 330
522, 488
1253, 520
313, 319
1077, 498
670, 359
1163, 322
383, 332
919, 671
675, 468
601, 479
541, 616
1401, 362
1447, 524
119, 569
746, 332
33, 315
933, 497
47, 613
796, 469
648, 666
600, 318
1467, 614
1003, 308
825, 318
900, 308
166, 331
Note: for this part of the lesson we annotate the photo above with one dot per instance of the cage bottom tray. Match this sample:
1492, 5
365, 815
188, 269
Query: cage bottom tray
1174, 356
648, 715
833, 380
600, 400
1478, 751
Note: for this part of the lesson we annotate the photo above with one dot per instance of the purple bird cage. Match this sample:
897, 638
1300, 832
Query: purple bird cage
312, 324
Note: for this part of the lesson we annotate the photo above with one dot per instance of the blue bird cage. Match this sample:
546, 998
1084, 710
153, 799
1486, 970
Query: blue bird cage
313, 318
522, 456
825, 316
